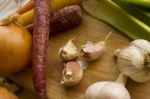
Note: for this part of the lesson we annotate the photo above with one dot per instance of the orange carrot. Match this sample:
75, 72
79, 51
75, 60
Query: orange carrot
26, 7
63, 19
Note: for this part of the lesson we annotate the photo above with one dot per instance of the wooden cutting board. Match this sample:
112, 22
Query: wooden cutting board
103, 69
25, 94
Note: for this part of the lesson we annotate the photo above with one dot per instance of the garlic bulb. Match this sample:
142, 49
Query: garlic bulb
72, 73
69, 51
134, 60
108, 90
142, 44
92, 51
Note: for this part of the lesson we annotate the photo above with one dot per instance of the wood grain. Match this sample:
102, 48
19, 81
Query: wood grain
103, 69
25, 94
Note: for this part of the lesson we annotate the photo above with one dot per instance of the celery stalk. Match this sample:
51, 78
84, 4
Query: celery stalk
113, 14
147, 13
134, 11
142, 3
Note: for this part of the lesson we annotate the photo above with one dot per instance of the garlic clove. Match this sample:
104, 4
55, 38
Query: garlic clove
69, 51
92, 51
72, 74
107, 90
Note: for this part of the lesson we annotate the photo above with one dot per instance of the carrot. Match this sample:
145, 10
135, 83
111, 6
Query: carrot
63, 19
40, 44
66, 18
27, 17
26, 7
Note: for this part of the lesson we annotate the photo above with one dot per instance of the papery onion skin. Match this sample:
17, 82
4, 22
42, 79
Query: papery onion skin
5, 94
15, 48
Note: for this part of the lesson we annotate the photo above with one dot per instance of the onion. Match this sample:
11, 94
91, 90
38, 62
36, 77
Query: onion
15, 47
6, 94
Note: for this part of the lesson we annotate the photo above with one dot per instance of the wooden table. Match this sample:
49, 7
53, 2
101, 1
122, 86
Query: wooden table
103, 69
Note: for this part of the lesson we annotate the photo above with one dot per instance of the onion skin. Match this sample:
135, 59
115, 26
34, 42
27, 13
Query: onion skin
5, 94
15, 48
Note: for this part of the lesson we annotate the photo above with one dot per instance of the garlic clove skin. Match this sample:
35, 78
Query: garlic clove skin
107, 90
92, 51
69, 51
72, 74
82, 62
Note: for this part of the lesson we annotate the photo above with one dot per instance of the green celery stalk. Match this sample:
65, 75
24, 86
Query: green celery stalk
113, 14
134, 11
147, 13
142, 3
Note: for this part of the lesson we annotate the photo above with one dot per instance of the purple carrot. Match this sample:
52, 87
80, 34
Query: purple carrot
63, 19
40, 44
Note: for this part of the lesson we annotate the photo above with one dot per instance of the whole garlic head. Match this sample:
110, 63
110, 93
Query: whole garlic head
107, 90
69, 51
144, 45
134, 60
